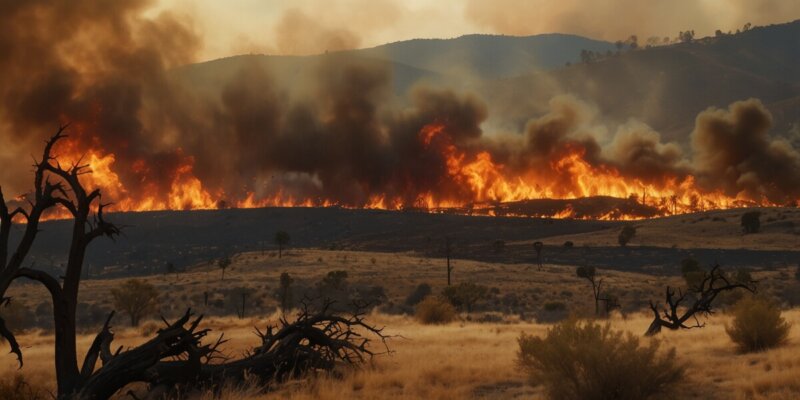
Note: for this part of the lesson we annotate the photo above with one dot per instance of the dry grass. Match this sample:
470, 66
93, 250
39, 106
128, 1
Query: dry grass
457, 360
472, 360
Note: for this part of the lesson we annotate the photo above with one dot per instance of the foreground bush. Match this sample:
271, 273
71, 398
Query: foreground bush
757, 325
435, 310
17, 388
590, 361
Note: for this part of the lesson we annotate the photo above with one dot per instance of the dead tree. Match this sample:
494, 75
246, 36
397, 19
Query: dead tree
177, 360
175, 357
54, 186
676, 314
589, 273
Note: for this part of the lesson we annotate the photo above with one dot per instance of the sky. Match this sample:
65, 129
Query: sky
300, 27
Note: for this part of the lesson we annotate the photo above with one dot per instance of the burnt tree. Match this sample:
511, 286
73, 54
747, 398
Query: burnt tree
678, 310
175, 359
590, 274
538, 246
55, 185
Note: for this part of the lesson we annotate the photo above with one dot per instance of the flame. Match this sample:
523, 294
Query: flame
483, 185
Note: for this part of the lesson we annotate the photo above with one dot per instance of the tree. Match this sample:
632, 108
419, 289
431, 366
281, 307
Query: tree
588, 272
448, 250
54, 186
686, 37
751, 221
757, 325
135, 298
498, 246
223, 264
285, 292
676, 314
692, 273
465, 295
538, 246
626, 234
282, 240
176, 359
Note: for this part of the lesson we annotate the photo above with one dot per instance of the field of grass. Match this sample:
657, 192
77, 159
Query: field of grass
477, 360
463, 359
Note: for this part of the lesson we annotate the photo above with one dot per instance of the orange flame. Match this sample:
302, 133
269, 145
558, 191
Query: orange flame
482, 182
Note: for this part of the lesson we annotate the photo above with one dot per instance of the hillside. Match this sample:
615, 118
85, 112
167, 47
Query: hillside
187, 238
667, 86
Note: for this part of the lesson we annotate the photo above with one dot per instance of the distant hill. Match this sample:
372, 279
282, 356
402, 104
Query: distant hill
668, 86
488, 56
664, 86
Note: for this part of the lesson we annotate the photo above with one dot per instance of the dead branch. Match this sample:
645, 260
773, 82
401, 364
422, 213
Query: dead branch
674, 315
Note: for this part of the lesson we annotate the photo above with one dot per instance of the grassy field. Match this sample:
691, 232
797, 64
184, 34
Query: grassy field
464, 359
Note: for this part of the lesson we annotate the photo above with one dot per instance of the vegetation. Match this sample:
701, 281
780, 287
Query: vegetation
751, 221
420, 292
588, 272
435, 310
282, 239
591, 361
464, 296
626, 234
223, 264
692, 273
17, 388
136, 298
285, 292
757, 325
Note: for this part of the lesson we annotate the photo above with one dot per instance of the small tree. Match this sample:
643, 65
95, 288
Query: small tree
223, 264
588, 272
757, 325
626, 234
465, 295
285, 292
692, 273
135, 298
538, 246
498, 246
448, 250
751, 221
282, 239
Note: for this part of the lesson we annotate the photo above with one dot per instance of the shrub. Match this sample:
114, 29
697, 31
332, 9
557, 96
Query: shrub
757, 325
554, 306
435, 310
626, 234
692, 273
420, 292
465, 295
17, 388
591, 361
135, 298
751, 221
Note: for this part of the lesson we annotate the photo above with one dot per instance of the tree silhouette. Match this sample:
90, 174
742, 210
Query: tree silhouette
223, 264
135, 298
282, 240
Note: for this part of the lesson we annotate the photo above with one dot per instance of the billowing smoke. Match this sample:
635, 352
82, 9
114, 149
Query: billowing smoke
732, 150
339, 136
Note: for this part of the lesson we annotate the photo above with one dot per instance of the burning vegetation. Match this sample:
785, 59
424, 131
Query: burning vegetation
154, 140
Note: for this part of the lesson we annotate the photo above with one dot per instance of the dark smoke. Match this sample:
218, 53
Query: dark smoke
340, 134
734, 152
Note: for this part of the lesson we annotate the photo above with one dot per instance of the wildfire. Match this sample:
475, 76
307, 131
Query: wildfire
483, 184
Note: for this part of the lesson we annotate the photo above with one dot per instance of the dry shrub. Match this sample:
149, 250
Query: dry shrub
17, 388
591, 361
435, 310
757, 325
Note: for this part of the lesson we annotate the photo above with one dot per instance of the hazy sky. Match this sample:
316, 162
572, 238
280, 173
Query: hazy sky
312, 26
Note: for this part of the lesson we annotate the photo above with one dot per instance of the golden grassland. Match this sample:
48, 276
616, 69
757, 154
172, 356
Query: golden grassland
464, 359
475, 360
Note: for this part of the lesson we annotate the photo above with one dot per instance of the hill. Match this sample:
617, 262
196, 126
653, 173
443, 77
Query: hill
667, 86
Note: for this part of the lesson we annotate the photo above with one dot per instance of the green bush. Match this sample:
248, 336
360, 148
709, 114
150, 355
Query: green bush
590, 361
757, 325
465, 296
435, 310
